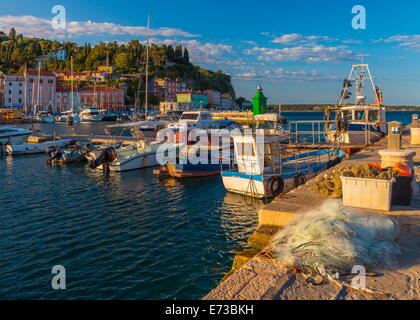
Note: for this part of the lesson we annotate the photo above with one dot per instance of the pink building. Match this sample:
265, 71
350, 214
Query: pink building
63, 101
213, 97
103, 97
41, 89
20, 91
166, 89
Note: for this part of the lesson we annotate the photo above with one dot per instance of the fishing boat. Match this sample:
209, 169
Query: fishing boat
266, 168
34, 148
90, 115
14, 135
360, 123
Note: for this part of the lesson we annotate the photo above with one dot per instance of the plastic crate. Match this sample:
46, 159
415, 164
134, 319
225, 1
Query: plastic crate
367, 193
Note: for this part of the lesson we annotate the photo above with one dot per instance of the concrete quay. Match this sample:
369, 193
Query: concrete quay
262, 277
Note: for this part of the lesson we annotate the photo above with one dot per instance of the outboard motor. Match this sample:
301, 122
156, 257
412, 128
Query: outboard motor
105, 158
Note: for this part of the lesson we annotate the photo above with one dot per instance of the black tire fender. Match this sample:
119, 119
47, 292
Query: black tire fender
275, 185
300, 179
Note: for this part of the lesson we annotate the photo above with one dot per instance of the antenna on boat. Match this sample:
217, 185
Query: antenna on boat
359, 73
147, 66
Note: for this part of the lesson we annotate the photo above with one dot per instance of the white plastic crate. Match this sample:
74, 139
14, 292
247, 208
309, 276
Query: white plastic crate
367, 193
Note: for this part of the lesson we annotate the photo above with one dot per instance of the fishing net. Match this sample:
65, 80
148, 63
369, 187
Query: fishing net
330, 184
336, 238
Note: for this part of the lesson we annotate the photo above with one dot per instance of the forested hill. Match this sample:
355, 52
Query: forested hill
165, 60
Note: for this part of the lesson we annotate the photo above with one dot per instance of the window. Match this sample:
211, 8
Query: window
373, 115
20, 100
20, 91
20, 84
246, 149
359, 115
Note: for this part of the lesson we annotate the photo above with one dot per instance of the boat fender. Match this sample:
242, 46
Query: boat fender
275, 186
300, 179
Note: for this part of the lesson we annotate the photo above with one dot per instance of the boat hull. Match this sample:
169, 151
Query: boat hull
138, 162
14, 139
34, 148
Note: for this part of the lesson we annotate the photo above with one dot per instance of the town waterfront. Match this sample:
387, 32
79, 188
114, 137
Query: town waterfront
120, 236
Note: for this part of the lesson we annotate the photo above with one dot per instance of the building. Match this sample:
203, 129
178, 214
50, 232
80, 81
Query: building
166, 106
63, 100
247, 105
65, 75
28, 90
214, 98
103, 97
41, 89
13, 91
59, 55
107, 69
225, 101
166, 89
191, 100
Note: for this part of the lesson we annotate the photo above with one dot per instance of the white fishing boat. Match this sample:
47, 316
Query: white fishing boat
192, 120
14, 135
360, 123
266, 169
34, 148
90, 115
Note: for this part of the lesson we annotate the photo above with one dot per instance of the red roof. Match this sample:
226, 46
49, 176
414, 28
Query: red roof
43, 73
101, 89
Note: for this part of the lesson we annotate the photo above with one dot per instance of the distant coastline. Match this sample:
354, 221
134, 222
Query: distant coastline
321, 108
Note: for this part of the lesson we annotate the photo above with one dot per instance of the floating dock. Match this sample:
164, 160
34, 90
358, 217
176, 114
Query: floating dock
260, 277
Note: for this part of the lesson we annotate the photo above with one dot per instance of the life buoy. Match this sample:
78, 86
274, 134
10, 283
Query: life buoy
300, 179
275, 186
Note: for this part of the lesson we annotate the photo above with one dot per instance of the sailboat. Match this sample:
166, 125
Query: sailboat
148, 128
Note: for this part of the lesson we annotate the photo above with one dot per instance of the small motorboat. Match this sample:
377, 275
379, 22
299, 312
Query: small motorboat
34, 148
14, 135
74, 152
43, 117
90, 115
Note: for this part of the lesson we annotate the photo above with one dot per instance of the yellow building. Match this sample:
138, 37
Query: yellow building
107, 69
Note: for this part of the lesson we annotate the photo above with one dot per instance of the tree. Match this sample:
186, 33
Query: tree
186, 56
12, 33
239, 101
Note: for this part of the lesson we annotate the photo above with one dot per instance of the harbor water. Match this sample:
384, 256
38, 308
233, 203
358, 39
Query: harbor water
119, 236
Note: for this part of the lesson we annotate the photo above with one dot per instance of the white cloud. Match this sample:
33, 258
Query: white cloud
318, 53
31, 26
404, 41
296, 38
201, 52
280, 74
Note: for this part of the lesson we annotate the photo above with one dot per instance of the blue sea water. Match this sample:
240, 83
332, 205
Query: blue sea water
122, 236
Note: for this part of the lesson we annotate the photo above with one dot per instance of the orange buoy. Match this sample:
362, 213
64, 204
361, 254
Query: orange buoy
376, 166
403, 170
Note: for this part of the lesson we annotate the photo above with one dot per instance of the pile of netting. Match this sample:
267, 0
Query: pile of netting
335, 238
330, 184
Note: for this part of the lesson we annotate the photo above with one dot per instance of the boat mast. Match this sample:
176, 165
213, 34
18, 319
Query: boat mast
26, 89
72, 89
39, 84
147, 67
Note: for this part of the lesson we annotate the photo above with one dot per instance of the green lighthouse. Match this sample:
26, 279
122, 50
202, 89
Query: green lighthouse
259, 102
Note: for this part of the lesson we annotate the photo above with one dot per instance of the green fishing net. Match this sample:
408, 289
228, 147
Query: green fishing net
336, 238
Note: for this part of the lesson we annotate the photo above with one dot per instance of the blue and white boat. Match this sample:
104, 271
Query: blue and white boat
265, 168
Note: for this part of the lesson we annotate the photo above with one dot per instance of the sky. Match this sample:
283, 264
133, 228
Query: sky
298, 51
